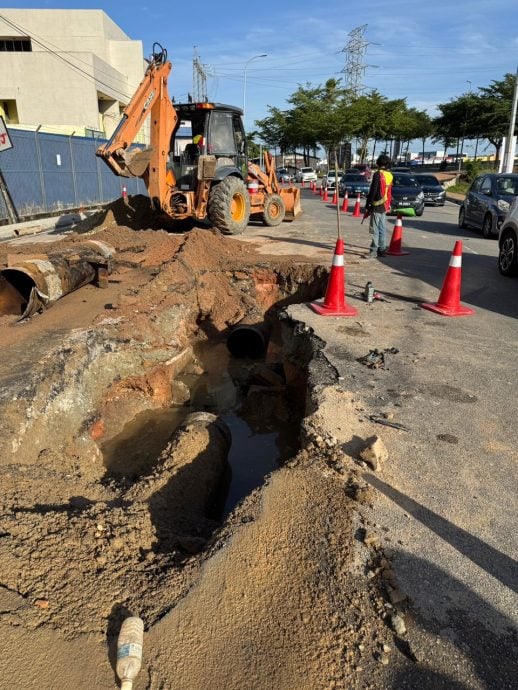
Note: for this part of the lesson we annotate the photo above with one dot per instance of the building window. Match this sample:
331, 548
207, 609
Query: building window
9, 112
15, 45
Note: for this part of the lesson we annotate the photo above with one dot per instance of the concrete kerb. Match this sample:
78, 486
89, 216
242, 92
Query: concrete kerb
34, 227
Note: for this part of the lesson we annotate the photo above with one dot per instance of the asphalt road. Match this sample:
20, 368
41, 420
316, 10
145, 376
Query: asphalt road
446, 499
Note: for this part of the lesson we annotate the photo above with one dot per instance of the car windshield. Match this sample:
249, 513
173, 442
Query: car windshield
306, 170
428, 179
507, 185
331, 173
354, 178
405, 181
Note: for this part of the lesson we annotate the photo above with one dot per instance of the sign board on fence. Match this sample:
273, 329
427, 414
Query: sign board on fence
5, 141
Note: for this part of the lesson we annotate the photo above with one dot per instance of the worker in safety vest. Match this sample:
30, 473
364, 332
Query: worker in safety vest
378, 203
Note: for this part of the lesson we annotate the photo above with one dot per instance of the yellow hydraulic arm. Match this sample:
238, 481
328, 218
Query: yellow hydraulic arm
151, 97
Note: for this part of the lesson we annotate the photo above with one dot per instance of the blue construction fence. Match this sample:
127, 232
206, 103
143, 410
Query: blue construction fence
50, 173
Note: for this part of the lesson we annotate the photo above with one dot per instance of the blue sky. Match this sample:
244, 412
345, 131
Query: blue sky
428, 52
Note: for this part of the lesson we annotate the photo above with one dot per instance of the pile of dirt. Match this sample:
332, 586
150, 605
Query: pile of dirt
75, 543
275, 594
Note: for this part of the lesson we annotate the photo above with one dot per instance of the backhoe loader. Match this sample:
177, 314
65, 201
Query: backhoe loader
210, 178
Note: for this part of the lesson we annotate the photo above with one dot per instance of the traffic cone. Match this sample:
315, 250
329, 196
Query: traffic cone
334, 303
125, 195
397, 236
448, 303
356, 213
302, 182
326, 196
345, 203
315, 190
321, 191
335, 198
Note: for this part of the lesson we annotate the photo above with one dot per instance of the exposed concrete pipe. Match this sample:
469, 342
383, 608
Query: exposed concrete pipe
29, 285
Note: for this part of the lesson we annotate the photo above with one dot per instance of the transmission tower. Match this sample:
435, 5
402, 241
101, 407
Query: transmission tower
199, 79
355, 53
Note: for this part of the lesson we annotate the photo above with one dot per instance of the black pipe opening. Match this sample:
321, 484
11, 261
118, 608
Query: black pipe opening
15, 291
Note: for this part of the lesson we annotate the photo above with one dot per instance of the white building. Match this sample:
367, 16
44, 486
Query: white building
66, 70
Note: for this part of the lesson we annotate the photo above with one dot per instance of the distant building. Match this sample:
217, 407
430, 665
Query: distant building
66, 71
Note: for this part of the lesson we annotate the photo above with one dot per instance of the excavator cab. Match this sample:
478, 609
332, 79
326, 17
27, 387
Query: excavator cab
210, 129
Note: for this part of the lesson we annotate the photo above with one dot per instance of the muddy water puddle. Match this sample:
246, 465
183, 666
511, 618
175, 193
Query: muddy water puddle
264, 432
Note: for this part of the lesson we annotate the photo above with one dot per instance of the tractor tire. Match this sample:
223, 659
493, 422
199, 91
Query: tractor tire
229, 205
274, 210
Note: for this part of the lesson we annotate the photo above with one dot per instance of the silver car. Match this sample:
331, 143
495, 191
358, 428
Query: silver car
508, 242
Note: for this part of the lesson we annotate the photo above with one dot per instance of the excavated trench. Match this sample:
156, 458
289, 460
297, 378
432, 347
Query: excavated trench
132, 442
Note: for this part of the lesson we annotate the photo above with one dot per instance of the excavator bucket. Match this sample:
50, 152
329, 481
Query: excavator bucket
291, 198
137, 160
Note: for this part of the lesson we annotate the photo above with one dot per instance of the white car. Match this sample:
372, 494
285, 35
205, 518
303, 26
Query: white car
306, 175
329, 181
508, 242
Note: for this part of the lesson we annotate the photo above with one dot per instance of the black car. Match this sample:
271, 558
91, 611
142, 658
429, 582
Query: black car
352, 183
434, 192
407, 193
487, 202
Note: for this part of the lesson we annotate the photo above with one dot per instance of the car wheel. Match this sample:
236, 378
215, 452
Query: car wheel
487, 226
508, 254
462, 218
419, 212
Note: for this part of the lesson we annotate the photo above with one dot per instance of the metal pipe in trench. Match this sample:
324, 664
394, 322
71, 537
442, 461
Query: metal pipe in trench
33, 284
249, 338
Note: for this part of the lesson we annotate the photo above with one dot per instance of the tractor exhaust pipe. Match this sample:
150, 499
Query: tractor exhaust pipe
28, 286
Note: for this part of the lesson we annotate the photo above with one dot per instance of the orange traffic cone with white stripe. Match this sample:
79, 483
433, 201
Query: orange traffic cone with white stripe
321, 191
397, 237
302, 182
326, 196
125, 196
335, 198
356, 212
345, 203
334, 303
448, 303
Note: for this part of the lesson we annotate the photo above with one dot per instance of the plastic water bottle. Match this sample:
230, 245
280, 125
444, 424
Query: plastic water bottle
369, 292
129, 651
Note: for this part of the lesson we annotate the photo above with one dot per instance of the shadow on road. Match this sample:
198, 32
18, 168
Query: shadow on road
501, 567
489, 656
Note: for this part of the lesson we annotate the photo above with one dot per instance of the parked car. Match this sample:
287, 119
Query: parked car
434, 192
399, 169
329, 181
353, 183
306, 175
508, 242
363, 169
487, 202
283, 175
407, 193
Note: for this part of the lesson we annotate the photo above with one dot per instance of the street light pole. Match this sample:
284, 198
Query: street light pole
508, 162
256, 57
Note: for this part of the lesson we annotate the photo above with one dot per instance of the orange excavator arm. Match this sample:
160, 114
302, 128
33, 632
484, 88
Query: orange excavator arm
151, 98
268, 178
